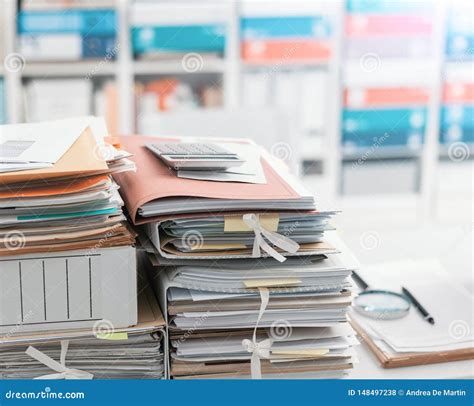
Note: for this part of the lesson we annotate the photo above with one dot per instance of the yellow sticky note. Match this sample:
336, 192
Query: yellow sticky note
234, 224
112, 336
317, 352
217, 247
260, 283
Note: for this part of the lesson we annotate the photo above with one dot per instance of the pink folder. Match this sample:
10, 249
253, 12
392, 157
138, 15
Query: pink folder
154, 180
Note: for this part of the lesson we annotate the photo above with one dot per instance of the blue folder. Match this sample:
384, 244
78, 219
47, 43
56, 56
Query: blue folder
285, 27
84, 22
204, 38
387, 6
380, 120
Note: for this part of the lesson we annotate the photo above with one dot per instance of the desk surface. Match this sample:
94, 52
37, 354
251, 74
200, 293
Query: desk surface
369, 368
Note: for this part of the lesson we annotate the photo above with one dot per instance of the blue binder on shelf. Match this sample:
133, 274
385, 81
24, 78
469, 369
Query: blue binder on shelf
197, 38
383, 139
457, 114
460, 46
84, 22
380, 120
387, 6
285, 27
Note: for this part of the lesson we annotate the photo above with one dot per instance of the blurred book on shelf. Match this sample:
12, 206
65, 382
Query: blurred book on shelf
59, 32
49, 99
106, 105
285, 38
66, 4
171, 94
161, 30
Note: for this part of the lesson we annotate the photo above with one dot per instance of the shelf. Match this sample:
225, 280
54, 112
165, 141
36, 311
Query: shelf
457, 151
151, 67
276, 65
99, 67
381, 153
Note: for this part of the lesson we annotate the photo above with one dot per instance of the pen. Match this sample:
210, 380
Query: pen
418, 305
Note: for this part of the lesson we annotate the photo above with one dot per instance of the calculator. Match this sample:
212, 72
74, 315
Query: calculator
195, 156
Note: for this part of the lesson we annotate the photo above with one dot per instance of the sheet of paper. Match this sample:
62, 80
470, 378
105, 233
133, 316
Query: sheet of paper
251, 171
44, 142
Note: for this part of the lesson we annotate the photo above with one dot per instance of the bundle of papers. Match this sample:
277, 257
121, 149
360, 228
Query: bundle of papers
251, 277
214, 307
102, 353
72, 202
147, 198
412, 340
229, 236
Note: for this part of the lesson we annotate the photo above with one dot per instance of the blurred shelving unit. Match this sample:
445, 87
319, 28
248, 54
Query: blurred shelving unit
376, 115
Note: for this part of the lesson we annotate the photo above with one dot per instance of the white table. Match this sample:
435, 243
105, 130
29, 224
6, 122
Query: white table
369, 368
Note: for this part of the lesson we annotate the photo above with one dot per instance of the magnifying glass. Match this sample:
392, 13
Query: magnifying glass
380, 304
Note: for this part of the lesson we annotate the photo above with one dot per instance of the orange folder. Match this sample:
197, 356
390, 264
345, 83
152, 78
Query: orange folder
81, 160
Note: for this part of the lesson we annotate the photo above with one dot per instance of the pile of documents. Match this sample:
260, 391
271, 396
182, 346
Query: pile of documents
411, 340
130, 353
56, 192
251, 277
67, 257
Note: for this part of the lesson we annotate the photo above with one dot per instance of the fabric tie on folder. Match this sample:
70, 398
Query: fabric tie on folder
258, 349
60, 367
280, 241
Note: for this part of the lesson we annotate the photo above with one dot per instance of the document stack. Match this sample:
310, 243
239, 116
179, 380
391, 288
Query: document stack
134, 352
67, 256
251, 277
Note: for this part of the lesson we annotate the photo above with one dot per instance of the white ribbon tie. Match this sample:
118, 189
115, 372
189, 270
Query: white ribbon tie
60, 367
280, 241
258, 349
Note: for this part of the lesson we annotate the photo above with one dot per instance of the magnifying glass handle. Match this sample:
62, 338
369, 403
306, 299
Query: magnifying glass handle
360, 282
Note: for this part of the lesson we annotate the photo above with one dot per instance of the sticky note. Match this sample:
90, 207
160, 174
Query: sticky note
268, 221
260, 283
317, 352
112, 336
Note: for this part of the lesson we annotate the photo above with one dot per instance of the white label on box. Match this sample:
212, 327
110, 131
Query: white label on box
50, 290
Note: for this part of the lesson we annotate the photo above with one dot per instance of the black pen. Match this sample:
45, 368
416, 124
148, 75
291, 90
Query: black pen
417, 304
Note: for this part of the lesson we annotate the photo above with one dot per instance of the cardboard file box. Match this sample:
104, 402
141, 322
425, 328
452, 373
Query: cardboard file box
68, 290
